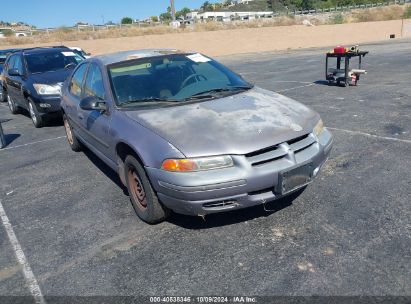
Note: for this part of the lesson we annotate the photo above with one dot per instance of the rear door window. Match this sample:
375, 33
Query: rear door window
11, 61
76, 82
18, 64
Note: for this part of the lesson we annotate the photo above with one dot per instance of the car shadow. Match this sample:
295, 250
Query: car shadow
51, 122
235, 216
110, 173
211, 220
9, 138
54, 122
322, 82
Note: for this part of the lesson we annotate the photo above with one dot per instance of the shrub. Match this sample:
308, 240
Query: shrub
407, 13
336, 19
126, 20
7, 32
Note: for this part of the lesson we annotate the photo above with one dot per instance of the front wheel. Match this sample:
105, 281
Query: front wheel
12, 106
74, 143
3, 97
35, 116
142, 196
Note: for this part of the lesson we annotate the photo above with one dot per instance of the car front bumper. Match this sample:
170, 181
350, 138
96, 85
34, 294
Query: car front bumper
253, 180
48, 104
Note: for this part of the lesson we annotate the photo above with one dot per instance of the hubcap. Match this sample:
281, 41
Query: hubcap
68, 132
11, 105
32, 114
136, 189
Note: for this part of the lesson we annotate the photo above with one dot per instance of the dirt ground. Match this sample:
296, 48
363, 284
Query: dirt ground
226, 42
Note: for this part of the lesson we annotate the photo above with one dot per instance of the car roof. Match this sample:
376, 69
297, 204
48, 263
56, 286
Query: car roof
108, 59
43, 49
37, 49
6, 51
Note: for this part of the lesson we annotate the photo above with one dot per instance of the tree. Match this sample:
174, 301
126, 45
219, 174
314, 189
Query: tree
165, 17
126, 20
206, 6
154, 18
183, 12
307, 4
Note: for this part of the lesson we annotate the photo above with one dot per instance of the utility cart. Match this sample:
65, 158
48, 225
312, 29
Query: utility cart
345, 76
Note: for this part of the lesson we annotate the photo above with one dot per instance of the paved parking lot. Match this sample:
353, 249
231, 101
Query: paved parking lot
347, 234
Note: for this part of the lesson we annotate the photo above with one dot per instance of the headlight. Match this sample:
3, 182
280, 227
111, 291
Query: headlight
197, 164
45, 89
319, 128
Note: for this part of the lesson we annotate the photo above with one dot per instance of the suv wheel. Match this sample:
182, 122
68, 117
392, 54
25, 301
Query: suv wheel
12, 106
74, 143
35, 115
2, 94
143, 198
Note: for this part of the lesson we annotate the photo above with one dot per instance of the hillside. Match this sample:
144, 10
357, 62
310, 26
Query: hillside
248, 40
282, 5
252, 6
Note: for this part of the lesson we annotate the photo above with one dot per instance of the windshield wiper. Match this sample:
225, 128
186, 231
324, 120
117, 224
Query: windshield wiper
148, 99
225, 89
200, 96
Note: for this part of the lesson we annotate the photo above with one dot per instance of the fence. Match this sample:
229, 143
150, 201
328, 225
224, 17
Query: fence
348, 8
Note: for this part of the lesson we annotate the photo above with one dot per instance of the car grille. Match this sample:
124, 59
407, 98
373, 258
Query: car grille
271, 154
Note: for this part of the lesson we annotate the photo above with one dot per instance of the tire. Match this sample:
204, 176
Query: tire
142, 196
35, 116
14, 109
72, 140
3, 97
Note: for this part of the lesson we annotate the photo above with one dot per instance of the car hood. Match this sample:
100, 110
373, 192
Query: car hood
237, 124
51, 77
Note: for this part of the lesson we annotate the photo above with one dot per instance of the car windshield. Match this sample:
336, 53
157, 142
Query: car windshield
2, 58
52, 61
172, 79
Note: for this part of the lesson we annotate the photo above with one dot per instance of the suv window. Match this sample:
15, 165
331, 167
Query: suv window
18, 64
11, 61
94, 83
76, 82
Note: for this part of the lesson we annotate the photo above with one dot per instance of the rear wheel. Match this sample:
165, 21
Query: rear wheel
142, 196
35, 116
74, 143
14, 109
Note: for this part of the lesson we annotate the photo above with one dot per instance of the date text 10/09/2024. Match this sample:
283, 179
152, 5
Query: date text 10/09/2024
203, 299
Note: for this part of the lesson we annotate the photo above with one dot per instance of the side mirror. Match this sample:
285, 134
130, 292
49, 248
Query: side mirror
91, 103
14, 72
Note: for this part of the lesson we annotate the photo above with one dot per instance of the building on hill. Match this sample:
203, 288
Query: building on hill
237, 10
241, 1
228, 16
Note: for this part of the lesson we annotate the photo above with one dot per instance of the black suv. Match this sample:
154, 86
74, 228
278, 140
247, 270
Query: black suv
3, 57
33, 79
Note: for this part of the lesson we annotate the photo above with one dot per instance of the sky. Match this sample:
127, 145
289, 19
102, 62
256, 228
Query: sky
55, 13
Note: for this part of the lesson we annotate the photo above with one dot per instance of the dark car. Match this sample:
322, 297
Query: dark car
3, 57
185, 133
33, 78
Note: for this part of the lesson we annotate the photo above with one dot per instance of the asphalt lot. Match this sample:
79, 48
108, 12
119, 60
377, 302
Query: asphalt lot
347, 234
